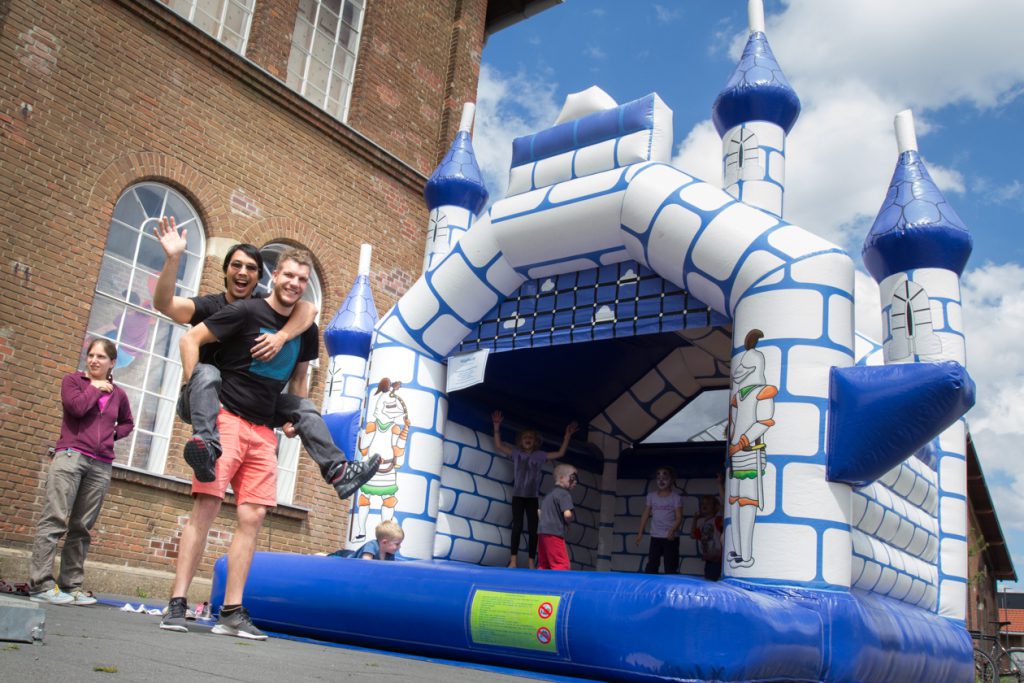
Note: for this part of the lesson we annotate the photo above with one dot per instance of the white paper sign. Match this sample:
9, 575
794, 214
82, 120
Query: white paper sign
466, 369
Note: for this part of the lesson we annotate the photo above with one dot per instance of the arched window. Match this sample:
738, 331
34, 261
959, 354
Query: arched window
287, 449
148, 367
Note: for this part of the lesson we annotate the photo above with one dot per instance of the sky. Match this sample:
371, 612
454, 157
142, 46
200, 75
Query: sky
854, 64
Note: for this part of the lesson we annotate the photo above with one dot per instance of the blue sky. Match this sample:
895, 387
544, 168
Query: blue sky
854, 63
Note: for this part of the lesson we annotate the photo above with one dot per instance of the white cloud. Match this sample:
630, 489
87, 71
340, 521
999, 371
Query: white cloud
926, 53
666, 15
508, 107
700, 154
594, 52
994, 312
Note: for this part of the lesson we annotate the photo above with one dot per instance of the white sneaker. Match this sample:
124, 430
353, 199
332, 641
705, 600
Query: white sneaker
54, 596
82, 598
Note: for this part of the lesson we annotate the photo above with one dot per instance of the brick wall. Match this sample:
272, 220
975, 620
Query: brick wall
97, 96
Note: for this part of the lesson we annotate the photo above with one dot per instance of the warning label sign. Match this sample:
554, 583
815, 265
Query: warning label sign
522, 620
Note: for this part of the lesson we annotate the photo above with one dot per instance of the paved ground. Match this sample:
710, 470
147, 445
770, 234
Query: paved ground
81, 640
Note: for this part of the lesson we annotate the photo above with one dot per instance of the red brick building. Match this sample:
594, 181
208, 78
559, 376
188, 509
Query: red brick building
988, 557
310, 123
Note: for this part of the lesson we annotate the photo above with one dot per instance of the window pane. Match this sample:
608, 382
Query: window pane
303, 34
328, 21
307, 10
318, 73
323, 48
296, 64
122, 240
348, 37
235, 19
163, 376
128, 210
167, 336
143, 449
103, 317
151, 254
114, 277
152, 200
232, 40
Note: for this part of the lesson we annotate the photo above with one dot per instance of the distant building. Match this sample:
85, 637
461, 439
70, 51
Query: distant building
988, 559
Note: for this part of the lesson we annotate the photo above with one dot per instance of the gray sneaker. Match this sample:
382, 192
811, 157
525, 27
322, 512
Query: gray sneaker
174, 618
238, 624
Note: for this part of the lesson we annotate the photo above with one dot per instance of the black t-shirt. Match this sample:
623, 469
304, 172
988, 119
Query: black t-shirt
249, 387
206, 306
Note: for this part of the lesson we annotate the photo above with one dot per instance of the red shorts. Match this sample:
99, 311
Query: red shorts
551, 552
248, 462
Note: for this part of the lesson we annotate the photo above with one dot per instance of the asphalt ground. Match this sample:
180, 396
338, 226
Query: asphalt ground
103, 643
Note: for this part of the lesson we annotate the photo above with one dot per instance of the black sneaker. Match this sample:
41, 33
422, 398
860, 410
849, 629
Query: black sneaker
174, 618
238, 623
201, 458
354, 474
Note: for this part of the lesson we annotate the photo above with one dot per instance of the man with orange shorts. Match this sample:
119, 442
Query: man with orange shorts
248, 462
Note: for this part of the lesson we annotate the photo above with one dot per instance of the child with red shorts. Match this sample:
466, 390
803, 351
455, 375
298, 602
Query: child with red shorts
556, 513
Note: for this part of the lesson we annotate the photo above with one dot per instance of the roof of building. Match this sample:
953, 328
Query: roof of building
1014, 616
504, 13
985, 512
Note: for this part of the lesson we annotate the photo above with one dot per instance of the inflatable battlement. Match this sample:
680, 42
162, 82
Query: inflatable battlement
614, 137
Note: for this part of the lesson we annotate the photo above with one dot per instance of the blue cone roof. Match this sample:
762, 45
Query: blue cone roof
457, 181
351, 328
757, 91
916, 227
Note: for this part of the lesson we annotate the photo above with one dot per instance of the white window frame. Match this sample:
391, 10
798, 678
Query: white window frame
302, 85
133, 218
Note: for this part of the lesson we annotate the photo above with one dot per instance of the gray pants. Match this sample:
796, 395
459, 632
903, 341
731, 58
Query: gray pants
75, 487
199, 405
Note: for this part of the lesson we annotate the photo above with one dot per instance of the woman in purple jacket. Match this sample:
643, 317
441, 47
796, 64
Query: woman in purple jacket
96, 413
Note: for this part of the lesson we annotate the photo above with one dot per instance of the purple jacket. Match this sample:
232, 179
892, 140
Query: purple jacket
84, 427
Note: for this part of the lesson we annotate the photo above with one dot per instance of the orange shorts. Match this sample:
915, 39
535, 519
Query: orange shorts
248, 462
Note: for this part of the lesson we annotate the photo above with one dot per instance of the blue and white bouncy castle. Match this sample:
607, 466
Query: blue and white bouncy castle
611, 288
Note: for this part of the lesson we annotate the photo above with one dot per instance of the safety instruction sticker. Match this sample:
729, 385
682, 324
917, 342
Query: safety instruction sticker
521, 620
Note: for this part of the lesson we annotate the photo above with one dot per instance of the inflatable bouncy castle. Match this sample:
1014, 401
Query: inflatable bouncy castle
611, 288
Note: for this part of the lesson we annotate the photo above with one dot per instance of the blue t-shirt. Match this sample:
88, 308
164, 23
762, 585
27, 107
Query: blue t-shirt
370, 547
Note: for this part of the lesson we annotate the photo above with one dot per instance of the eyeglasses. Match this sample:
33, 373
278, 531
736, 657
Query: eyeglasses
238, 265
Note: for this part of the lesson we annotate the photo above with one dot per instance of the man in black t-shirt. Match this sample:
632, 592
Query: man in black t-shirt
199, 402
248, 393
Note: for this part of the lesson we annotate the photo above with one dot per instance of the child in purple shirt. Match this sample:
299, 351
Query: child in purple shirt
527, 464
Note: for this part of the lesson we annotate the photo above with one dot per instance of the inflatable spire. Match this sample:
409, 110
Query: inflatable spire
347, 338
916, 227
455, 193
916, 250
753, 114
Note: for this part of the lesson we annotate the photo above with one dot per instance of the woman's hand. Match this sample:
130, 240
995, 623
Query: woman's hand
103, 385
